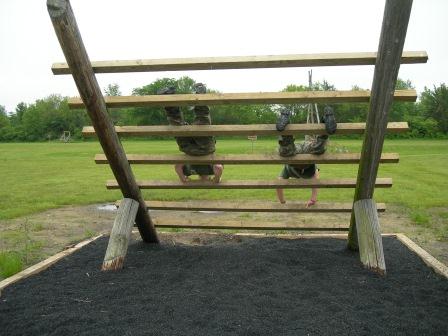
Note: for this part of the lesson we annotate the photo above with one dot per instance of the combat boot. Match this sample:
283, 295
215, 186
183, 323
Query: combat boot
173, 113
329, 120
283, 120
287, 146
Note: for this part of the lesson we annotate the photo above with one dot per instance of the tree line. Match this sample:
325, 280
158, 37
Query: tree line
48, 118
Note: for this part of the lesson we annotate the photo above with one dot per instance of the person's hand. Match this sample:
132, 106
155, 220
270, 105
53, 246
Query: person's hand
311, 202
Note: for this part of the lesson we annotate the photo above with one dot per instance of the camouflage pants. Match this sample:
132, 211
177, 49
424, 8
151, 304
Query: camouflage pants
202, 145
313, 145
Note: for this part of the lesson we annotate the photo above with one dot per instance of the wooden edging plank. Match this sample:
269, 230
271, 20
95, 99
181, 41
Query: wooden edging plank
235, 130
252, 184
45, 263
327, 158
240, 62
427, 258
244, 98
250, 206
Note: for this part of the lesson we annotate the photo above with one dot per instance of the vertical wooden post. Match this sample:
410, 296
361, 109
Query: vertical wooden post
393, 34
69, 37
120, 235
369, 235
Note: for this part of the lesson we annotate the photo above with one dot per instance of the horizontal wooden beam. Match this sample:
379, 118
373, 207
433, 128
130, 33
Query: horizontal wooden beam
240, 62
235, 130
247, 225
253, 184
253, 206
244, 98
338, 158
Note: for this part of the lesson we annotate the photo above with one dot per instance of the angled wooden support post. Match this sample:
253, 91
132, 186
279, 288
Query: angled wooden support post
393, 33
369, 235
120, 235
75, 53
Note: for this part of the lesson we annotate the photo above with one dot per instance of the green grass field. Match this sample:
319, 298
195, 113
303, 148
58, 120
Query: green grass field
40, 176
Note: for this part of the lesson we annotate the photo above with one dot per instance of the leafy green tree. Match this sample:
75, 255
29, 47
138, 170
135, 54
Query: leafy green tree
156, 115
116, 114
434, 104
4, 120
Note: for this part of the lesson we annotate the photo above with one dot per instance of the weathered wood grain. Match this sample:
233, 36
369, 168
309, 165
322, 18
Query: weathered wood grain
327, 158
244, 98
393, 34
249, 130
369, 235
120, 235
253, 184
240, 62
69, 37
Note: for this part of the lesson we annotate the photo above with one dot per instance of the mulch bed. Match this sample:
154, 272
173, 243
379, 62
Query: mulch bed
229, 285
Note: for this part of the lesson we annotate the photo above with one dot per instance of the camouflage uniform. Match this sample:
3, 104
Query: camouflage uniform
311, 145
202, 145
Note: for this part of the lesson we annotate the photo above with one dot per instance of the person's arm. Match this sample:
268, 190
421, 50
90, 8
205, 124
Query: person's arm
314, 191
179, 171
280, 193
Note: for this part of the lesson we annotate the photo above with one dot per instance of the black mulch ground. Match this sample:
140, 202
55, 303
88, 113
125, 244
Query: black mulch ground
230, 286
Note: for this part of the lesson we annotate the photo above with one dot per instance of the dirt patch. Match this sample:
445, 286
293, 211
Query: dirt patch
198, 284
53, 230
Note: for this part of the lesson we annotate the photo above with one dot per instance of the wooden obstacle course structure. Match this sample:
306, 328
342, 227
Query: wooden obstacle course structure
387, 61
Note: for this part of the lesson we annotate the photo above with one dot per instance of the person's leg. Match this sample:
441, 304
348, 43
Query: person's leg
280, 193
175, 118
204, 144
314, 191
179, 168
315, 146
217, 170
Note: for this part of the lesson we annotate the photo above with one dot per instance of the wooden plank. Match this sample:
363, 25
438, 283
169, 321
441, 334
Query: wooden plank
248, 225
427, 258
327, 158
393, 34
369, 236
120, 235
244, 98
250, 206
69, 37
240, 62
44, 264
253, 184
249, 130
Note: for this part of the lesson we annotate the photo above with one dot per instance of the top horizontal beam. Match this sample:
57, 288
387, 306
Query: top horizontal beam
240, 62
361, 96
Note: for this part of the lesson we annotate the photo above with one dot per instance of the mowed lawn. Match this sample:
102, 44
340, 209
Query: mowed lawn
39, 176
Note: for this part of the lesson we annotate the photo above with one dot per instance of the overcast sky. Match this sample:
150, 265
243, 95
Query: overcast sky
138, 29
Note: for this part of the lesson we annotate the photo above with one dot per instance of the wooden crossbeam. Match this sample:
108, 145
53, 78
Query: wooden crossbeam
245, 98
251, 206
240, 62
235, 130
326, 158
252, 184
245, 225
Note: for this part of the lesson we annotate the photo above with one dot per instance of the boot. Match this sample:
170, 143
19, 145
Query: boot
329, 120
173, 113
287, 146
283, 120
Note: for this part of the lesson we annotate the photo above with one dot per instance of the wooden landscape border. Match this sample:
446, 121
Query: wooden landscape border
427, 258
45, 263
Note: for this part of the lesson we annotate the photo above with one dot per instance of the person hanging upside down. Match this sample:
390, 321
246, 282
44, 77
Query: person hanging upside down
195, 146
313, 145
